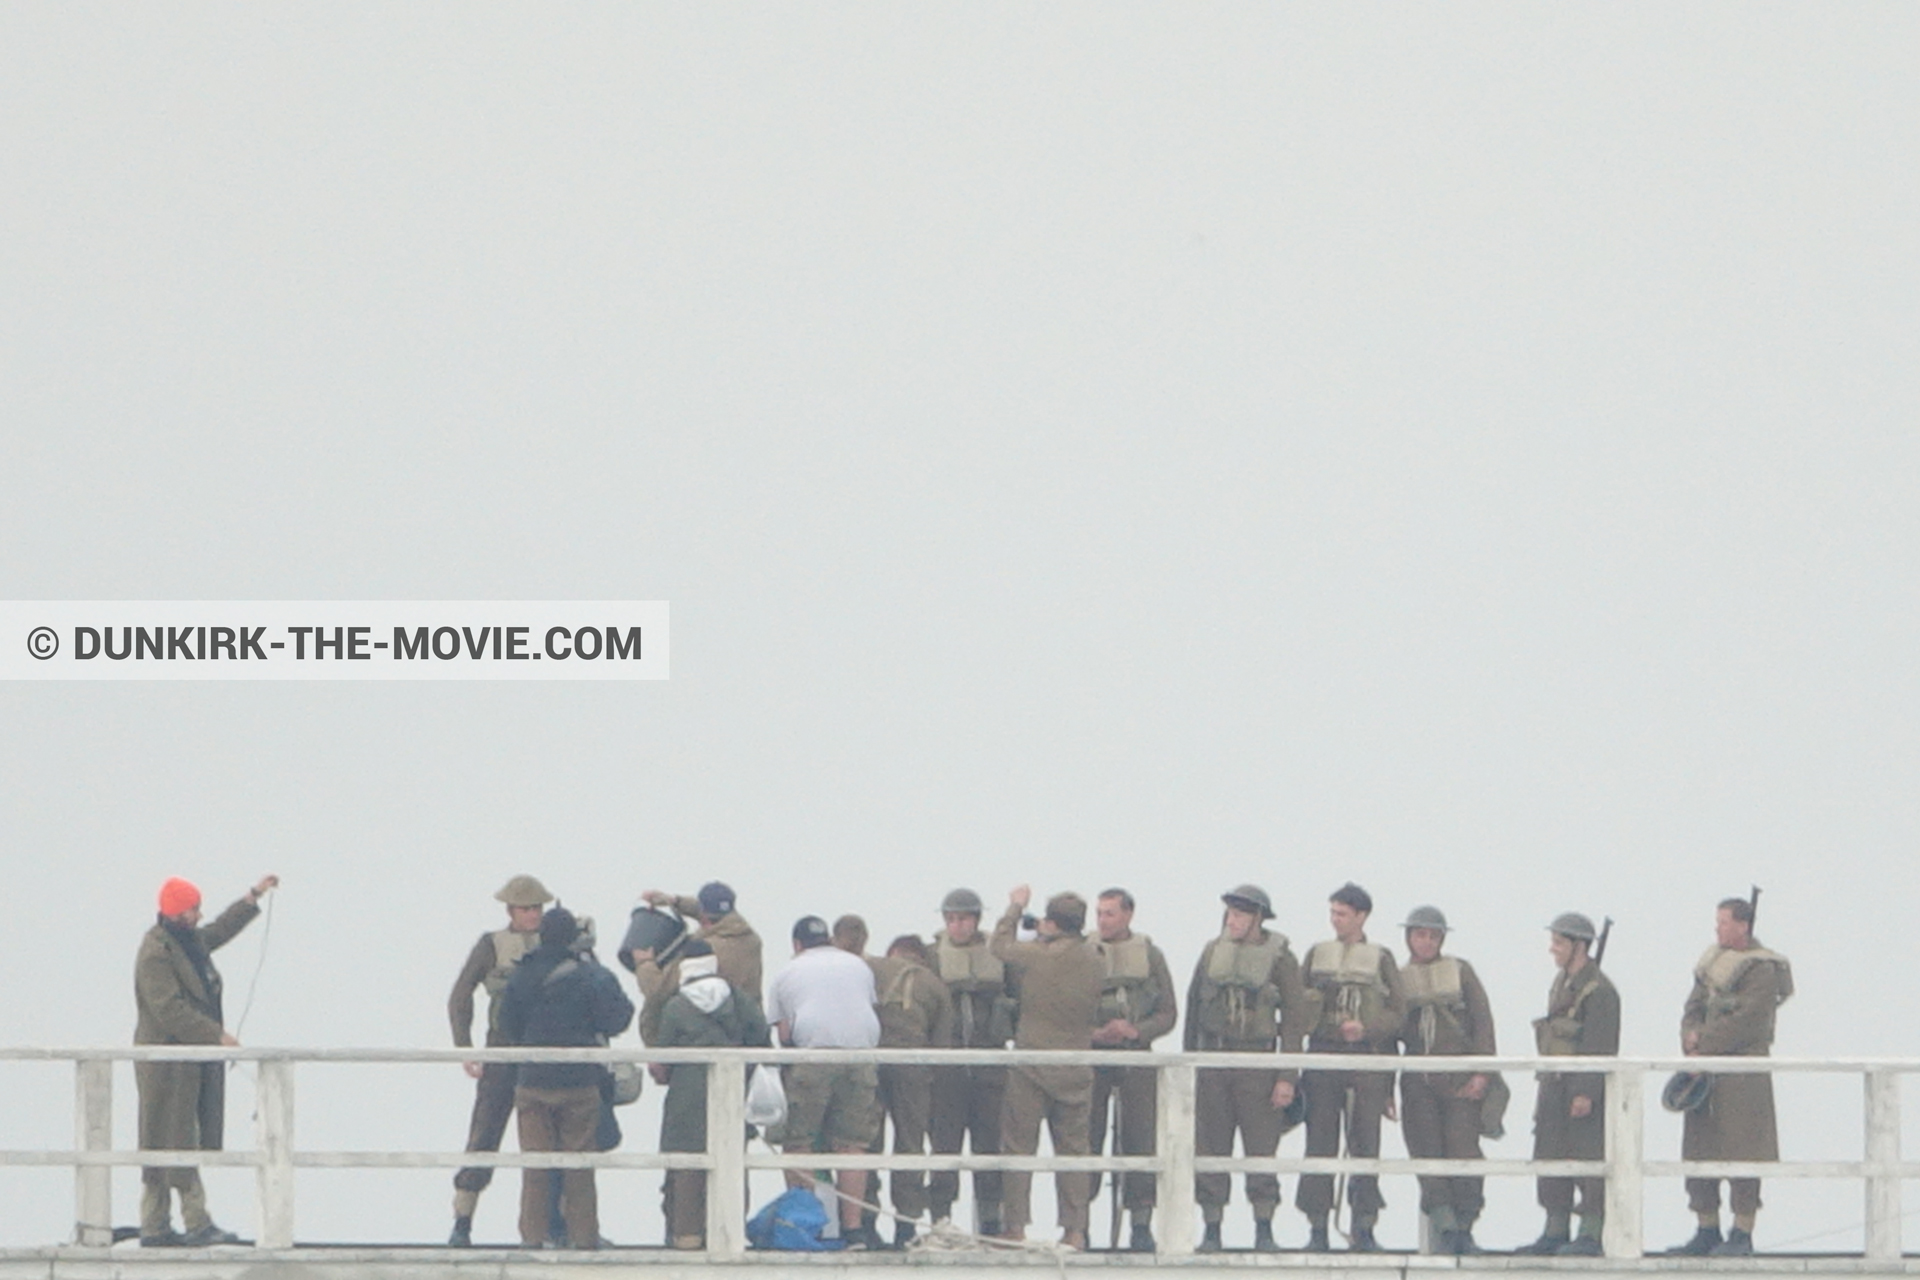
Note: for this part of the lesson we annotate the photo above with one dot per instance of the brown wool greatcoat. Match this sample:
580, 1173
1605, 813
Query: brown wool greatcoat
1737, 1020
182, 1104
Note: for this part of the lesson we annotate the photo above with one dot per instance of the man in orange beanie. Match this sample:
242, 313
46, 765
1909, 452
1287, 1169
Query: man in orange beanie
183, 1104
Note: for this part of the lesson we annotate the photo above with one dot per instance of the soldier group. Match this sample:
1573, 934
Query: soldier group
1045, 983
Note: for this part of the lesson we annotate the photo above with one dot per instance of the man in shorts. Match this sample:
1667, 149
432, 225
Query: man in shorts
824, 999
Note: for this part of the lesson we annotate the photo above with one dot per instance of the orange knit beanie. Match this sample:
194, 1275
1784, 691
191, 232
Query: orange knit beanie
178, 896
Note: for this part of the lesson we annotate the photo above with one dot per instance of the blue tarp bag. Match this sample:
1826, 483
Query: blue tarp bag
794, 1222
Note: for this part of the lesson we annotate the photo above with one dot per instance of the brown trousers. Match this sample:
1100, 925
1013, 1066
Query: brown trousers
967, 1102
492, 1108
1438, 1125
558, 1120
1138, 1100
907, 1095
1063, 1097
1226, 1101
1703, 1195
1327, 1112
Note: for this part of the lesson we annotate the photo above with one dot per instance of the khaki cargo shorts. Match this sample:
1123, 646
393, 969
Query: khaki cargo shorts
831, 1105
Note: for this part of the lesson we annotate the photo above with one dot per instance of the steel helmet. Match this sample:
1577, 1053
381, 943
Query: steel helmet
1426, 918
964, 901
1687, 1091
524, 891
1249, 897
1573, 925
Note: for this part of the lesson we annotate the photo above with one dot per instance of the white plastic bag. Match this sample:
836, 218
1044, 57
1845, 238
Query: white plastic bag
766, 1097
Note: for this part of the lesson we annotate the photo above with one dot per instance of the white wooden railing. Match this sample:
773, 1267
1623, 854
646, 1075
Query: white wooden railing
275, 1157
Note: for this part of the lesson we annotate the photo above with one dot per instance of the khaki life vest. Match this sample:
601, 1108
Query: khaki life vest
901, 1020
1239, 1003
1347, 977
1437, 1000
1558, 1034
1124, 989
509, 946
983, 1012
1721, 970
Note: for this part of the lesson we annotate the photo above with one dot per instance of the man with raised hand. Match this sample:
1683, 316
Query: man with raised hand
1059, 979
176, 991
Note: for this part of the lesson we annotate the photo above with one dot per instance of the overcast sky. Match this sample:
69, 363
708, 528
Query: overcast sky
1465, 449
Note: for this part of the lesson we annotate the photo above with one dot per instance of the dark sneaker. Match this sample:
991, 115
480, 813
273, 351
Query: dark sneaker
1544, 1246
862, 1239
1317, 1241
1141, 1241
168, 1239
462, 1236
1582, 1247
201, 1237
1363, 1241
1263, 1241
1738, 1244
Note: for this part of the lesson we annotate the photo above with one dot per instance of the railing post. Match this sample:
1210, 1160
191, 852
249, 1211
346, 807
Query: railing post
1174, 1145
273, 1145
93, 1131
727, 1148
1626, 1139
1883, 1162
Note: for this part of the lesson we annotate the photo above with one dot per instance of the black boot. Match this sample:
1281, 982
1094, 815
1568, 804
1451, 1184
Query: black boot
1141, 1241
1739, 1244
1317, 1241
1547, 1244
903, 1233
1263, 1241
1461, 1243
1210, 1239
462, 1237
1363, 1241
1705, 1241
1581, 1247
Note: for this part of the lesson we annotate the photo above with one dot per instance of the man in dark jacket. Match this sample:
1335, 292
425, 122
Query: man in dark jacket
706, 1012
183, 1104
560, 998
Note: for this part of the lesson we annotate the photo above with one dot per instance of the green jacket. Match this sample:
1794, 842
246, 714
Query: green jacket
182, 1104
738, 1023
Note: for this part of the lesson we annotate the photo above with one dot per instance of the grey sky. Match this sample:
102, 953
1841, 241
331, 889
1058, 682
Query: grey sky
1466, 449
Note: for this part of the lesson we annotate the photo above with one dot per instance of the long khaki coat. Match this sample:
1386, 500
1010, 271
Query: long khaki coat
182, 1104
1738, 1121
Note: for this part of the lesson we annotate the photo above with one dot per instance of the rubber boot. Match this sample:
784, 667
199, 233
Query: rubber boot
1738, 1244
1705, 1240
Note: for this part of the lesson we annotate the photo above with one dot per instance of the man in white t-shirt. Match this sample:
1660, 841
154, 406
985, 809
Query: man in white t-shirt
824, 999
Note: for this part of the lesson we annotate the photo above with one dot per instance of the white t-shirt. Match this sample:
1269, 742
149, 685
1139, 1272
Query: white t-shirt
826, 998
